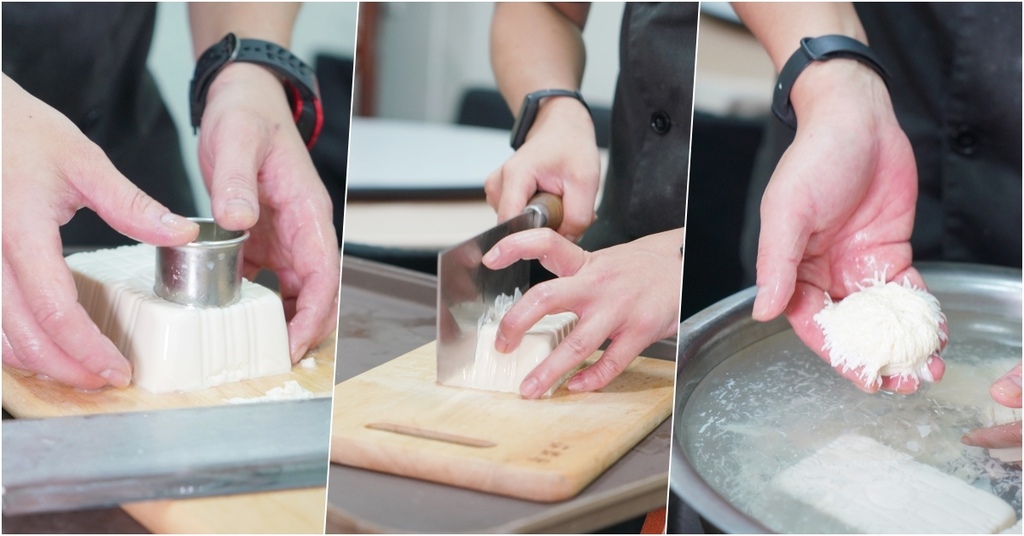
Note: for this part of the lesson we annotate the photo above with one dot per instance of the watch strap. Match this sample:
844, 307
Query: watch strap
530, 107
299, 80
821, 48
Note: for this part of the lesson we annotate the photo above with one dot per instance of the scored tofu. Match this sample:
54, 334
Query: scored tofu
496, 371
175, 347
876, 489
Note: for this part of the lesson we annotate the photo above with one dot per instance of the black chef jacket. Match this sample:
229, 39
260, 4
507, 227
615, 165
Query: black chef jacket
645, 187
89, 62
956, 91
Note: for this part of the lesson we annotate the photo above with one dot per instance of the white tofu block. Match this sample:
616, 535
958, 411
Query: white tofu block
497, 371
876, 489
174, 347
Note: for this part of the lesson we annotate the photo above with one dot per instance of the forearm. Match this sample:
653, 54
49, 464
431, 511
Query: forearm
272, 22
823, 84
537, 46
780, 26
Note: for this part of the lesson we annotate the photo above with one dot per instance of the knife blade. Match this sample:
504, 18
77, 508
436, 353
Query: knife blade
67, 463
466, 288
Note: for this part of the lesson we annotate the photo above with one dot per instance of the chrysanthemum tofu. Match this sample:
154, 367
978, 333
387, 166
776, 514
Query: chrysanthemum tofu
884, 329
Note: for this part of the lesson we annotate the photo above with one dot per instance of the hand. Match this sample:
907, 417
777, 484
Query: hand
644, 273
1006, 391
50, 170
559, 156
839, 207
261, 178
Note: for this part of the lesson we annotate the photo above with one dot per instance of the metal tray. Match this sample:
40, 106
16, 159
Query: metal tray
752, 399
386, 312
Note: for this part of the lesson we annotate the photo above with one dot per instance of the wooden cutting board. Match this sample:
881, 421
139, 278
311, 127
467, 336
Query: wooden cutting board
27, 396
541, 450
299, 511
293, 512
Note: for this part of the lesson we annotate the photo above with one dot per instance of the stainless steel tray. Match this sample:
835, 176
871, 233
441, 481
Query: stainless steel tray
386, 312
752, 399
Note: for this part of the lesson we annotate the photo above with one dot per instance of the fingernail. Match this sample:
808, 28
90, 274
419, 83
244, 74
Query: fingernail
529, 387
1009, 386
299, 353
491, 255
177, 223
761, 302
238, 209
577, 383
500, 342
966, 440
116, 378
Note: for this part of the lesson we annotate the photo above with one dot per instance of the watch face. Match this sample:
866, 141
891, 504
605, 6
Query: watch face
528, 111
299, 80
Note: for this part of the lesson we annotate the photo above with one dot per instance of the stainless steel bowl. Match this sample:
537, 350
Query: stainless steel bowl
980, 302
206, 272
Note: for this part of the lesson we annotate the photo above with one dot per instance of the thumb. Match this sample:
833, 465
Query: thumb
130, 211
780, 248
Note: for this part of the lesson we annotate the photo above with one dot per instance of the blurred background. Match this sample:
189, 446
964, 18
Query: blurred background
429, 124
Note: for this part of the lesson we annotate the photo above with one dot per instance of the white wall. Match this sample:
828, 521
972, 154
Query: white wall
321, 27
430, 52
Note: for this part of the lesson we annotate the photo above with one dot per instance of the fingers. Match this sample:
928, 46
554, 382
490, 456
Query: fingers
555, 161
125, 207
555, 253
47, 331
311, 305
1005, 435
578, 209
558, 255
546, 298
1007, 390
620, 353
507, 197
233, 187
576, 347
780, 248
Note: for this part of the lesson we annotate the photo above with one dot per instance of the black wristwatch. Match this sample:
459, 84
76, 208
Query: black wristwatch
528, 111
299, 80
822, 48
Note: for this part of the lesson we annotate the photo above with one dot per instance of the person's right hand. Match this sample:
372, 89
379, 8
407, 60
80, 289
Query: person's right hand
50, 170
559, 156
839, 207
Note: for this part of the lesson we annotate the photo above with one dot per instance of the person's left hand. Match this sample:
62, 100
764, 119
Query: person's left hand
1006, 391
627, 293
261, 178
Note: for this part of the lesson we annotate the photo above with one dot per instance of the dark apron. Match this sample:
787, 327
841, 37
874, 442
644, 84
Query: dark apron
956, 89
89, 62
645, 188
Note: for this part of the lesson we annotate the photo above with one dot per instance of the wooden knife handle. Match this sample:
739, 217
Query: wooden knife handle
549, 206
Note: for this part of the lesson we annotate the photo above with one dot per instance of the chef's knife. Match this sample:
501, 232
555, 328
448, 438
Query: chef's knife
67, 463
466, 288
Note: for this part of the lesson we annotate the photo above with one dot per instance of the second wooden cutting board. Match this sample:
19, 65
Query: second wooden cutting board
396, 419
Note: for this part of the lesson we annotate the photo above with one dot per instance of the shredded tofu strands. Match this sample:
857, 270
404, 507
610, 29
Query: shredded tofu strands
885, 329
492, 370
